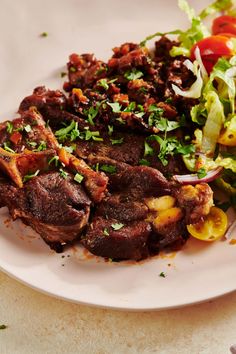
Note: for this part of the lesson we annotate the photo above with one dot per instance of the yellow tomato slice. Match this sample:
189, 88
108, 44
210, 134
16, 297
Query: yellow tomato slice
212, 228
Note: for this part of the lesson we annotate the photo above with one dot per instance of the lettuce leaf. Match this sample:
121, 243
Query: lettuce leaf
214, 122
217, 6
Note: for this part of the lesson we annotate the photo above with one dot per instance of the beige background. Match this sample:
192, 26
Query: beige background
41, 324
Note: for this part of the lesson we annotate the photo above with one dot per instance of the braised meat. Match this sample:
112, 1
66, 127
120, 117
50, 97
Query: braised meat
97, 163
57, 208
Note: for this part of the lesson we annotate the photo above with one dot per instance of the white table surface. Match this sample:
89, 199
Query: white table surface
37, 324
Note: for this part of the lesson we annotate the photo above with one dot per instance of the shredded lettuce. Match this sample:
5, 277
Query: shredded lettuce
214, 122
195, 90
216, 6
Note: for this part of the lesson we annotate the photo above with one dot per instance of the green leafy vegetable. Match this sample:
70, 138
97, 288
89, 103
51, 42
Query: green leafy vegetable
117, 226
106, 232
117, 141
29, 176
63, 173
148, 150
54, 159
201, 173
7, 148
108, 168
62, 134
116, 107
162, 275
3, 326
144, 162
42, 146
133, 74
78, 178
9, 127
28, 128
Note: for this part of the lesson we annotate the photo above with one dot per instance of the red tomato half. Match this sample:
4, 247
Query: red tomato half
224, 24
212, 48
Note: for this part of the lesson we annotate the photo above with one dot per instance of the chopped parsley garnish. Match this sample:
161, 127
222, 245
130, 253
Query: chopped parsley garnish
143, 90
70, 148
117, 226
31, 143
117, 141
110, 129
70, 132
106, 232
103, 83
169, 100
116, 107
93, 135
78, 178
133, 74
131, 107
29, 176
63, 173
201, 173
170, 146
28, 128
92, 112
148, 150
54, 159
63, 74
162, 275
72, 69
9, 127
108, 168
144, 162
3, 326
42, 146
44, 34
7, 148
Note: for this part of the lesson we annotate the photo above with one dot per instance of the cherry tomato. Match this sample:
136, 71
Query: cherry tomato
224, 24
212, 48
212, 228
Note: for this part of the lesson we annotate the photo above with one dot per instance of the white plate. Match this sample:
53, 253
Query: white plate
200, 271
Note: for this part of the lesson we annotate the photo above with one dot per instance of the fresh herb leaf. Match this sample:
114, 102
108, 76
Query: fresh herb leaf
63, 74
144, 162
162, 275
29, 176
110, 129
54, 159
70, 148
7, 148
158, 34
93, 135
62, 134
133, 74
63, 173
31, 143
148, 150
131, 107
44, 34
103, 83
108, 168
117, 141
72, 69
120, 120
78, 178
92, 112
28, 128
201, 173
116, 107
106, 232
9, 127
117, 226
42, 146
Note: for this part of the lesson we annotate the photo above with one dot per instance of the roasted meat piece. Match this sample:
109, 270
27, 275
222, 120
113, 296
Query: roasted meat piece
57, 208
128, 242
196, 201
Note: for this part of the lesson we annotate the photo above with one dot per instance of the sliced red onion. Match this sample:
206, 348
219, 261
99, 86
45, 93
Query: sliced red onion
229, 233
193, 178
